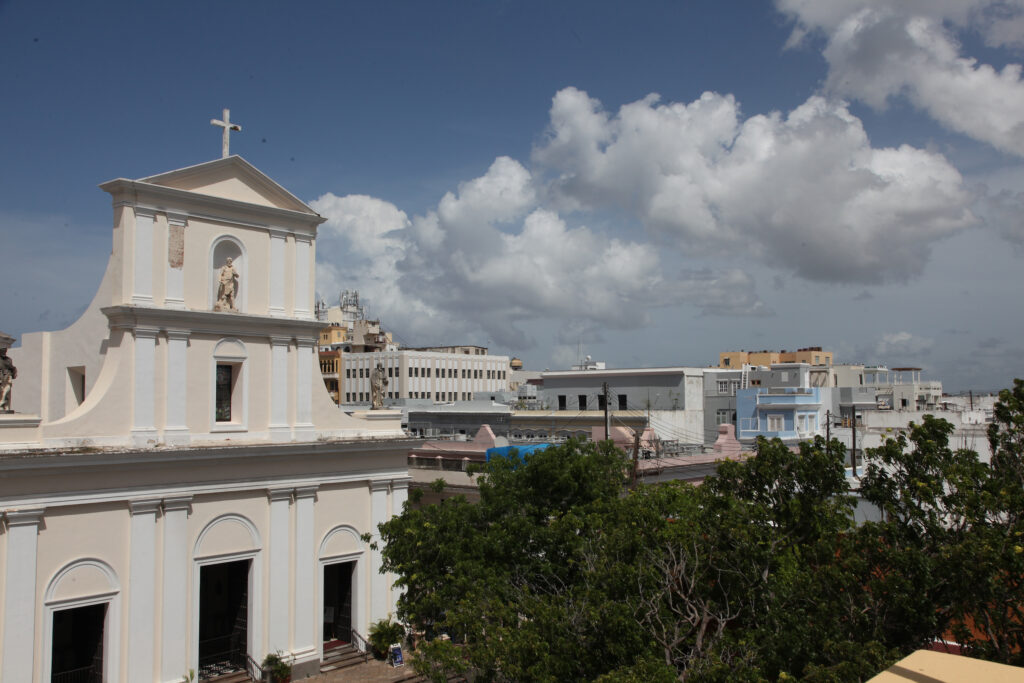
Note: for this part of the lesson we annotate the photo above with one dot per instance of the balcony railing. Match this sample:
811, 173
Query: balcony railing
86, 674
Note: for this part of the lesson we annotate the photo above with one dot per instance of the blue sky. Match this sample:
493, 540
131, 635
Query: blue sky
650, 182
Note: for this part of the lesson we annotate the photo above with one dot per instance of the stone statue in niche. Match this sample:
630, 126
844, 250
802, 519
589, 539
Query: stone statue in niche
227, 287
377, 383
8, 373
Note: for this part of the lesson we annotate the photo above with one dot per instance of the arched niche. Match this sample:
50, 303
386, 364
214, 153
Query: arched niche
223, 248
85, 583
227, 535
82, 579
230, 349
341, 540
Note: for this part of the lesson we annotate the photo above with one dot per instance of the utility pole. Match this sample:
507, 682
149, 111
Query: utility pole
636, 456
828, 432
607, 412
853, 441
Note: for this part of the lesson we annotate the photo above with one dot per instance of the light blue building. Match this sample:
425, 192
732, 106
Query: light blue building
779, 402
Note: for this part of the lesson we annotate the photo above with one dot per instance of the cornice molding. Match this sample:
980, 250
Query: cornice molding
147, 197
143, 507
25, 517
219, 323
276, 494
306, 491
176, 503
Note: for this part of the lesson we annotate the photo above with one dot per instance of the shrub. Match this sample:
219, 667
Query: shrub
383, 634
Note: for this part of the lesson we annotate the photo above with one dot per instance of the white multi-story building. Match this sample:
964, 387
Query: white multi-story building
417, 374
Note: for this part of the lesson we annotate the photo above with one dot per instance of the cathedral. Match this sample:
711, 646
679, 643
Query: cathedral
178, 491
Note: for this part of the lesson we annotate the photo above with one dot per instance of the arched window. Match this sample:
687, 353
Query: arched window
82, 622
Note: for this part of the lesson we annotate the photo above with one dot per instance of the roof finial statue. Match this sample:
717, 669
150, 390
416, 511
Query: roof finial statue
228, 127
8, 373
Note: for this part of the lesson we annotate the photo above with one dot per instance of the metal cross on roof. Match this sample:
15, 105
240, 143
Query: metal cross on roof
228, 127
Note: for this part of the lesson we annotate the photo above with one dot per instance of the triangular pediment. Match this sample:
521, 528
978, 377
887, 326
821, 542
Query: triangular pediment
232, 178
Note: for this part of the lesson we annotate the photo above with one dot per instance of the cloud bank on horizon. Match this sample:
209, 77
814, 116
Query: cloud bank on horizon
660, 204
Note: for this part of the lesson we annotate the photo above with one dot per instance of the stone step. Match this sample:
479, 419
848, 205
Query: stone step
341, 658
233, 677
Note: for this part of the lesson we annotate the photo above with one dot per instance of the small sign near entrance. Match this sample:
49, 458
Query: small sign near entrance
395, 654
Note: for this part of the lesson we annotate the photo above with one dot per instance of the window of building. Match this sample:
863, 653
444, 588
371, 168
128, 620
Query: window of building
775, 423
581, 399
723, 416
228, 386
723, 386
225, 385
75, 389
733, 387
561, 401
622, 402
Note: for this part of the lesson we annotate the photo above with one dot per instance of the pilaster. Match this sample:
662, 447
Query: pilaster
399, 494
19, 594
279, 581
305, 362
379, 599
304, 640
175, 294
142, 589
176, 430
278, 239
173, 654
144, 354
279, 428
303, 285
142, 258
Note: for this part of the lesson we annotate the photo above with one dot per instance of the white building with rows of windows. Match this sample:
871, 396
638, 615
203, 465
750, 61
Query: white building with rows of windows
178, 491
451, 374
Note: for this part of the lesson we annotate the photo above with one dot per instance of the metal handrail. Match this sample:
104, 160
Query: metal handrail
361, 644
85, 674
254, 670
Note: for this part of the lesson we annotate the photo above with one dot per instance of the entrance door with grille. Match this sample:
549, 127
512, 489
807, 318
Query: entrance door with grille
223, 618
338, 603
77, 655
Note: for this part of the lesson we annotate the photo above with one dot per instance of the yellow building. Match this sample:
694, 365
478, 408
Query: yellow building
812, 355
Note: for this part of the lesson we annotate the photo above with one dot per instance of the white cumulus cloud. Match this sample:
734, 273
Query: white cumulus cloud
878, 51
804, 191
491, 256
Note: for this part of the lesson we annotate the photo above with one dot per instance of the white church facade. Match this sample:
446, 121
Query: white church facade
177, 489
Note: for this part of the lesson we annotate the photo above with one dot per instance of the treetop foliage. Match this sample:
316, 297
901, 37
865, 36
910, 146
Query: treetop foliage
563, 573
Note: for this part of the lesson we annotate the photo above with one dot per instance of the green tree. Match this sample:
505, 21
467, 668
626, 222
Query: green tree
560, 573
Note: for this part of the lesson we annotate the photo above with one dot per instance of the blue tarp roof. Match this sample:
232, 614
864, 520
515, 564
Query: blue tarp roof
505, 451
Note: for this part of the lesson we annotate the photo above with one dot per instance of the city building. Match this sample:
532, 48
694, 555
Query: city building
178, 490
439, 374
670, 399
720, 387
779, 402
811, 355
